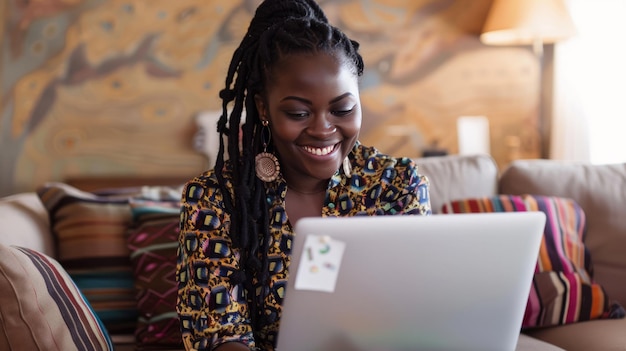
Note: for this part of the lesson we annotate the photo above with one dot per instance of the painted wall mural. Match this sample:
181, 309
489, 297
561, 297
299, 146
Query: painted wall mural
112, 87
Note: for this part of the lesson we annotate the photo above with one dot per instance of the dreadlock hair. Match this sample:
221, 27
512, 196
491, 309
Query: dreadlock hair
279, 28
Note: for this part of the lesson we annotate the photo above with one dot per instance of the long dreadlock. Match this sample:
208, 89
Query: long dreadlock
279, 28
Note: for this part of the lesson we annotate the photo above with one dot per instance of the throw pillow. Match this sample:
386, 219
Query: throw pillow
563, 290
41, 308
90, 233
90, 230
153, 241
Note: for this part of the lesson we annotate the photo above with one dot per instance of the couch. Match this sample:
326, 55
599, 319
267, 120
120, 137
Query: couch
36, 222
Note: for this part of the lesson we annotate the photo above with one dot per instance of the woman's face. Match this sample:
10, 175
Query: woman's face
313, 106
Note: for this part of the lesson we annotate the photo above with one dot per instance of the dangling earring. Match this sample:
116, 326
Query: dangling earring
347, 168
266, 164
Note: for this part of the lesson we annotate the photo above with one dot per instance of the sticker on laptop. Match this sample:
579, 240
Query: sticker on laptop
319, 263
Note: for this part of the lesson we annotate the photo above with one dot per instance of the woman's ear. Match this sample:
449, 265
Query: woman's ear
260, 106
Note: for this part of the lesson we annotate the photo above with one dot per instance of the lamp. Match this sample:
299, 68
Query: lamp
529, 22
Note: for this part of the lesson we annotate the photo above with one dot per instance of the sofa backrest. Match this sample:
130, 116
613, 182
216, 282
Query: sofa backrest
455, 177
600, 190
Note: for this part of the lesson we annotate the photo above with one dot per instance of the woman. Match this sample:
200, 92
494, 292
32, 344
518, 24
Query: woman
296, 79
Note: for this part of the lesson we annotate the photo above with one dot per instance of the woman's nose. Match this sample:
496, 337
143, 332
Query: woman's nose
320, 126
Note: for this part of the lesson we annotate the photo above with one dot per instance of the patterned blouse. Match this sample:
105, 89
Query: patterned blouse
214, 311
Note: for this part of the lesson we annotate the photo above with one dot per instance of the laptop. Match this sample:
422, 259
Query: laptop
400, 283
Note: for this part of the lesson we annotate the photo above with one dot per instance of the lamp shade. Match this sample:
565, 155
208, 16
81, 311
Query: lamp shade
522, 22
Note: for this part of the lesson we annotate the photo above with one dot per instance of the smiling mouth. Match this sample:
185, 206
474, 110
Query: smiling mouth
320, 151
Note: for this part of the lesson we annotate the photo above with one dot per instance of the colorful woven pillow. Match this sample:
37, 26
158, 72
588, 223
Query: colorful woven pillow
563, 290
90, 233
41, 308
153, 242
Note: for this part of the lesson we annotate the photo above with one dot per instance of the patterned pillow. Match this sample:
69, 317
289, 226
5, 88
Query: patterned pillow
563, 290
90, 233
90, 230
41, 308
153, 242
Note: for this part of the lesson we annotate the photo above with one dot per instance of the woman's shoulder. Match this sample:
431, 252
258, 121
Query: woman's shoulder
207, 183
373, 160
400, 171
205, 179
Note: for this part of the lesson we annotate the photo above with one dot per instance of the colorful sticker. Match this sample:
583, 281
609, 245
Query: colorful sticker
319, 264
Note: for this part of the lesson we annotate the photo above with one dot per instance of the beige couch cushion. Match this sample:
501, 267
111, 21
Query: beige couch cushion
596, 335
455, 177
601, 191
527, 343
25, 223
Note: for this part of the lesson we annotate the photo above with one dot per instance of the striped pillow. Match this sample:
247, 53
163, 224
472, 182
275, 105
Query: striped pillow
153, 242
90, 233
563, 289
41, 308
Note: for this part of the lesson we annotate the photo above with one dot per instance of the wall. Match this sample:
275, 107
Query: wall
111, 87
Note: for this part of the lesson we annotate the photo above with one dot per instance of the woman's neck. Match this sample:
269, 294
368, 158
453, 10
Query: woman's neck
305, 185
299, 205
305, 192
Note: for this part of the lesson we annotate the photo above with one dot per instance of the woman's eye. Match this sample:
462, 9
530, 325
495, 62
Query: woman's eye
297, 114
341, 113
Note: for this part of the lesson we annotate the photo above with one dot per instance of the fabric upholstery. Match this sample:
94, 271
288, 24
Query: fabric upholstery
153, 242
563, 289
595, 335
25, 223
527, 343
601, 192
456, 177
90, 232
41, 308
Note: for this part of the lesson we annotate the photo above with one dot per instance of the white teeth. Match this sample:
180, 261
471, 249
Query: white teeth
319, 151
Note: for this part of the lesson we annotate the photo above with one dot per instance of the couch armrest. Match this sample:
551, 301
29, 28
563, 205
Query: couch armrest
24, 222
